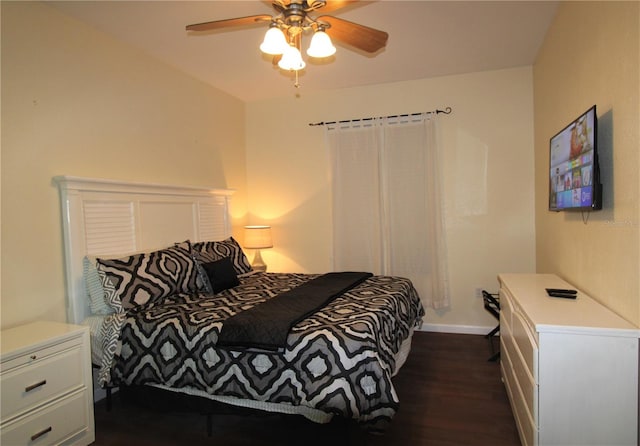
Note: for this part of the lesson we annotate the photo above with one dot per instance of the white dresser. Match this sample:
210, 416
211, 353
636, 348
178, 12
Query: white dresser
570, 366
45, 379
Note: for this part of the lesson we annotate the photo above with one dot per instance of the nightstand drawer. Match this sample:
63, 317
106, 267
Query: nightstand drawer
38, 380
52, 424
33, 355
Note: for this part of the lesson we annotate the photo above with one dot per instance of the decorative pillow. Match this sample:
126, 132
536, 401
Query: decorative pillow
209, 251
111, 296
220, 274
186, 245
142, 279
93, 282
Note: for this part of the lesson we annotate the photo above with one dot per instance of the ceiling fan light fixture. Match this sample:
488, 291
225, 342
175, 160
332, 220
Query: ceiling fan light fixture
321, 45
274, 41
283, 39
291, 59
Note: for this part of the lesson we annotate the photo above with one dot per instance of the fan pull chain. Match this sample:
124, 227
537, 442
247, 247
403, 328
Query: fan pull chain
297, 84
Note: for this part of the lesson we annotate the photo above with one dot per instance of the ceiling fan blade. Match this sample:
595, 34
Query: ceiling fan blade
332, 5
228, 23
278, 5
359, 36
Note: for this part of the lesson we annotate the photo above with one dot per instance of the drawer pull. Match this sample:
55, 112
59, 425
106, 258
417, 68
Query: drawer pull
35, 386
34, 437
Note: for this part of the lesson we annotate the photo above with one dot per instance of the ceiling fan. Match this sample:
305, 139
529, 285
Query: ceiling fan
284, 36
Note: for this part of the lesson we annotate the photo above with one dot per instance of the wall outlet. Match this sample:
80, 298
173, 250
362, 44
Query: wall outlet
479, 293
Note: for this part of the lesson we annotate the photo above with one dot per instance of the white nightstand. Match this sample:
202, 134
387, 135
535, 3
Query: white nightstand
45, 379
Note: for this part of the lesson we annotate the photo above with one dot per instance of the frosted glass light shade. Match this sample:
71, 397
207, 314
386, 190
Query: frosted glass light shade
321, 45
291, 59
274, 42
257, 237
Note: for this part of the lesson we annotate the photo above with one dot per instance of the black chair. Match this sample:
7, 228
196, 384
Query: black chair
492, 305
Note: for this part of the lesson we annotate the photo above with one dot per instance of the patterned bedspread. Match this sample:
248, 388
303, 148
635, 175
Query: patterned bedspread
339, 360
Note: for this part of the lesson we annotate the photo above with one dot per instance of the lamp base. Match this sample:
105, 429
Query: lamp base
258, 264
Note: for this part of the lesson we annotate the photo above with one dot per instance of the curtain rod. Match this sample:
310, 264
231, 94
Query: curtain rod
446, 111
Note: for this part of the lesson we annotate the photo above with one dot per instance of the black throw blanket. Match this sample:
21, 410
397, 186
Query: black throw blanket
267, 325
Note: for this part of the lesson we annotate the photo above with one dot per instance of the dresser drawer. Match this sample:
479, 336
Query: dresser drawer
526, 344
519, 370
27, 382
527, 427
506, 307
49, 425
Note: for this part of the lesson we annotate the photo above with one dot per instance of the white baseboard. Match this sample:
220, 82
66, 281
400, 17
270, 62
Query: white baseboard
458, 329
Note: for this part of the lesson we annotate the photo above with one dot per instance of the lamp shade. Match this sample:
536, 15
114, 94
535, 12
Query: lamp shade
274, 42
321, 45
257, 237
291, 59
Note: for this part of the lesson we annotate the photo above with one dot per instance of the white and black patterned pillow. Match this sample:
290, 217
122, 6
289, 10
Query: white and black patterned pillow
206, 252
111, 296
146, 278
95, 290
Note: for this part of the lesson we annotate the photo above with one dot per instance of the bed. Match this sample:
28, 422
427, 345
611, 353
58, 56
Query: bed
156, 274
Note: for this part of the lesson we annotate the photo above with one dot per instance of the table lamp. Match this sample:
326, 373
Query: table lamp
258, 237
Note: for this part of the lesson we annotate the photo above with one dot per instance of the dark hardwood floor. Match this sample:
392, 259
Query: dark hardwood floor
449, 395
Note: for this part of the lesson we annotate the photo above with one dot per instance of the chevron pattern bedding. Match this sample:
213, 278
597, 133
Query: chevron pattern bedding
339, 360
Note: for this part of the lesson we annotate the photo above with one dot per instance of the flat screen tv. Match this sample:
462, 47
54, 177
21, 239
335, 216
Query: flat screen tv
574, 172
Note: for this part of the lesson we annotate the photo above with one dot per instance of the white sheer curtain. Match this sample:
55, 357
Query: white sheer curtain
387, 201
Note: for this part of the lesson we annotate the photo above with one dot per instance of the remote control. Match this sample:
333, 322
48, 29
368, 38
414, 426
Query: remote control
561, 290
563, 295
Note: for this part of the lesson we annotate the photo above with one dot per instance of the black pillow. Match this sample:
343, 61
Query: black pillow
221, 274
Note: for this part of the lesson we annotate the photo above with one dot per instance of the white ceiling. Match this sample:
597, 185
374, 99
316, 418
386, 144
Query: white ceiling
426, 39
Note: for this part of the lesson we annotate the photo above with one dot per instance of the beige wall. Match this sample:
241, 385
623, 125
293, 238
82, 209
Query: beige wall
591, 56
489, 193
76, 102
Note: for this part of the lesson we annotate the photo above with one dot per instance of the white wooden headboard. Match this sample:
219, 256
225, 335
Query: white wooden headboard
110, 218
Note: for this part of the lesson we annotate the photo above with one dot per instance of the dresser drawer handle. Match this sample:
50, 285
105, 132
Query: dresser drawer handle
34, 437
35, 386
